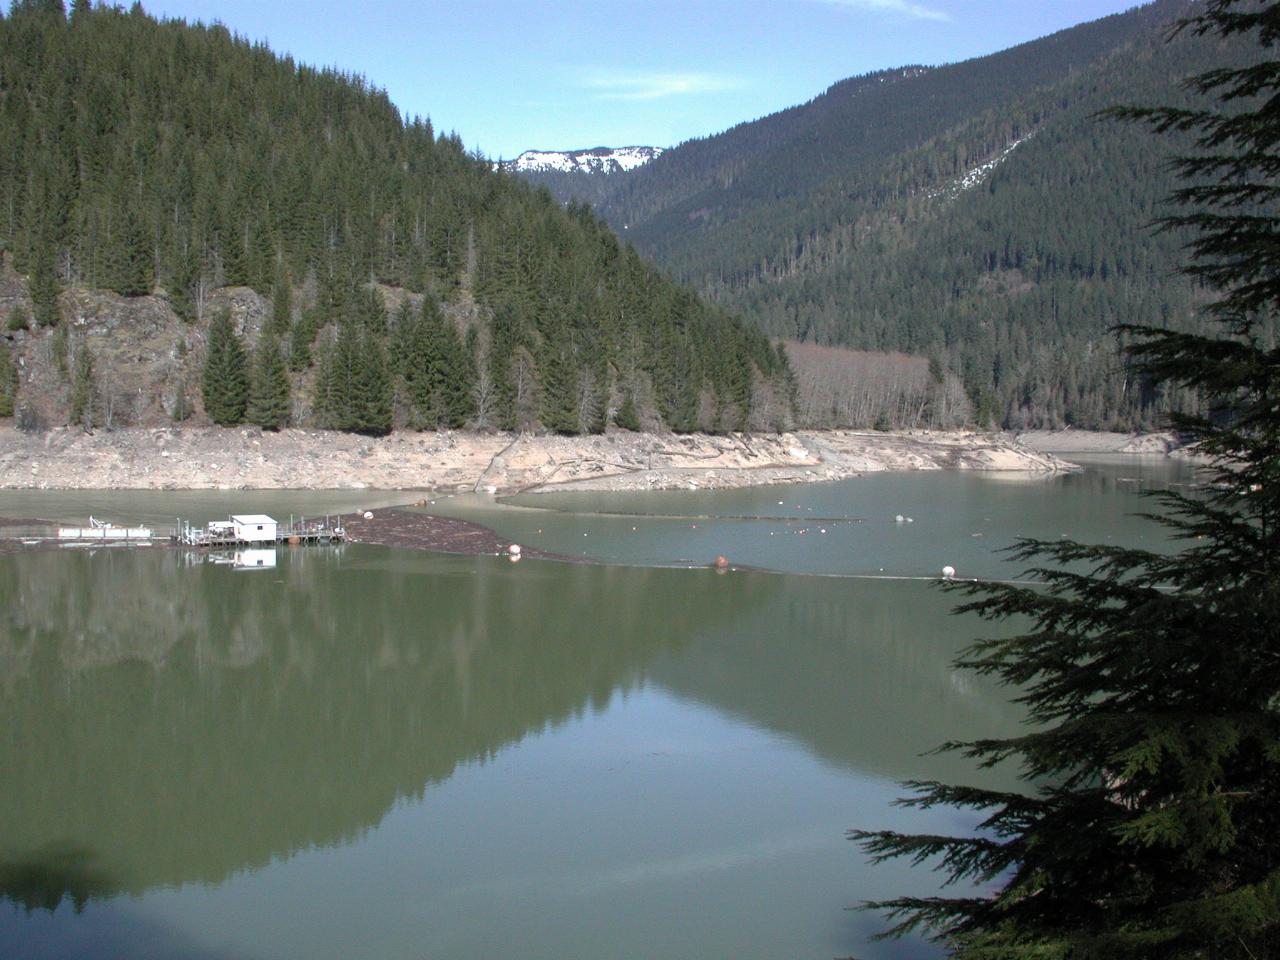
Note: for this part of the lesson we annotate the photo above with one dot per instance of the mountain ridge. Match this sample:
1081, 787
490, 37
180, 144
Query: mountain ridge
824, 222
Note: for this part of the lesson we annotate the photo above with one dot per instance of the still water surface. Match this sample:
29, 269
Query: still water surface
385, 754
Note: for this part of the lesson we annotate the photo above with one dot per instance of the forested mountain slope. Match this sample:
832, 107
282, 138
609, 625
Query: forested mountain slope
977, 213
408, 282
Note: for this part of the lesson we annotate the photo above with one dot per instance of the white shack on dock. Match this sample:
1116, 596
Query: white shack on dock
253, 528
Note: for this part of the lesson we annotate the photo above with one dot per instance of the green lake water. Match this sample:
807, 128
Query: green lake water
376, 753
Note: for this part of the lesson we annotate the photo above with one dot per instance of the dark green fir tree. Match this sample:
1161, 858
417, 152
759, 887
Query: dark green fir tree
559, 391
301, 335
1150, 826
135, 267
224, 384
8, 381
43, 284
372, 393
269, 395
84, 388
281, 306
457, 387
628, 417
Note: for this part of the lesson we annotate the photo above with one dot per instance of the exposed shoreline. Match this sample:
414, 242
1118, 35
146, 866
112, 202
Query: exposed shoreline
1070, 441
241, 458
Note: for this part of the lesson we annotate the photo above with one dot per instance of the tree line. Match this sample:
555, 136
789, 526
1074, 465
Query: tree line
159, 158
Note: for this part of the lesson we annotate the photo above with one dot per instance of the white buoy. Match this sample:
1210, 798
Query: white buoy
899, 519
514, 549
368, 514
948, 572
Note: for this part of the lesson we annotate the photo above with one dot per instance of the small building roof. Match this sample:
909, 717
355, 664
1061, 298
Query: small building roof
252, 518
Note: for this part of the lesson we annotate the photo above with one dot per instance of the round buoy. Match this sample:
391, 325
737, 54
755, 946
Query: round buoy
295, 540
899, 519
368, 514
722, 562
420, 503
948, 572
514, 549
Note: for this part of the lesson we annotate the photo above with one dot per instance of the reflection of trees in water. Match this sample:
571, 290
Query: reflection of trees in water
859, 671
44, 878
169, 723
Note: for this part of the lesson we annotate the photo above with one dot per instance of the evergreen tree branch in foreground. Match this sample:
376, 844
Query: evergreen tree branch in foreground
1151, 824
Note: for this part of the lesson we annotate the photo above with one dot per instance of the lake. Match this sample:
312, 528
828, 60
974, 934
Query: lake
376, 753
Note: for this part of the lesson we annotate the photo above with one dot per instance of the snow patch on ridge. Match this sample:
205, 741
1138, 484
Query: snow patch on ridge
595, 160
971, 178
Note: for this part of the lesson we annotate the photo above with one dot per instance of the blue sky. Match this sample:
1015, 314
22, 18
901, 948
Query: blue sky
510, 75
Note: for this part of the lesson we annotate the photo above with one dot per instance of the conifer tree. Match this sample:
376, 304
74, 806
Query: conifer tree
1151, 826
43, 285
281, 306
559, 391
84, 389
269, 404
502, 343
8, 381
301, 335
224, 384
627, 417
181, 281
135, 271
460, 373
336, 387
372, 393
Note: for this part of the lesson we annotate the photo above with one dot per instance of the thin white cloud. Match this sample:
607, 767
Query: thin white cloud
903, 8
654, 85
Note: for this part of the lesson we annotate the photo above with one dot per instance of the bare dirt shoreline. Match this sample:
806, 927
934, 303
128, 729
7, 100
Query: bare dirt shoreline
1098, 441
247, 458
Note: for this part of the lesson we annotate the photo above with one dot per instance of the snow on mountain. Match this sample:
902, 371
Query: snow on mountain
978, 174
595, 160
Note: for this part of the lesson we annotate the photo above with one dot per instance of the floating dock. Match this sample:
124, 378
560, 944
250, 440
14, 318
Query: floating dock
105, 530
258, 530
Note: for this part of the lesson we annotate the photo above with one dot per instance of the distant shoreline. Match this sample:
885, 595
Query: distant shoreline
240, 458
1071, 440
